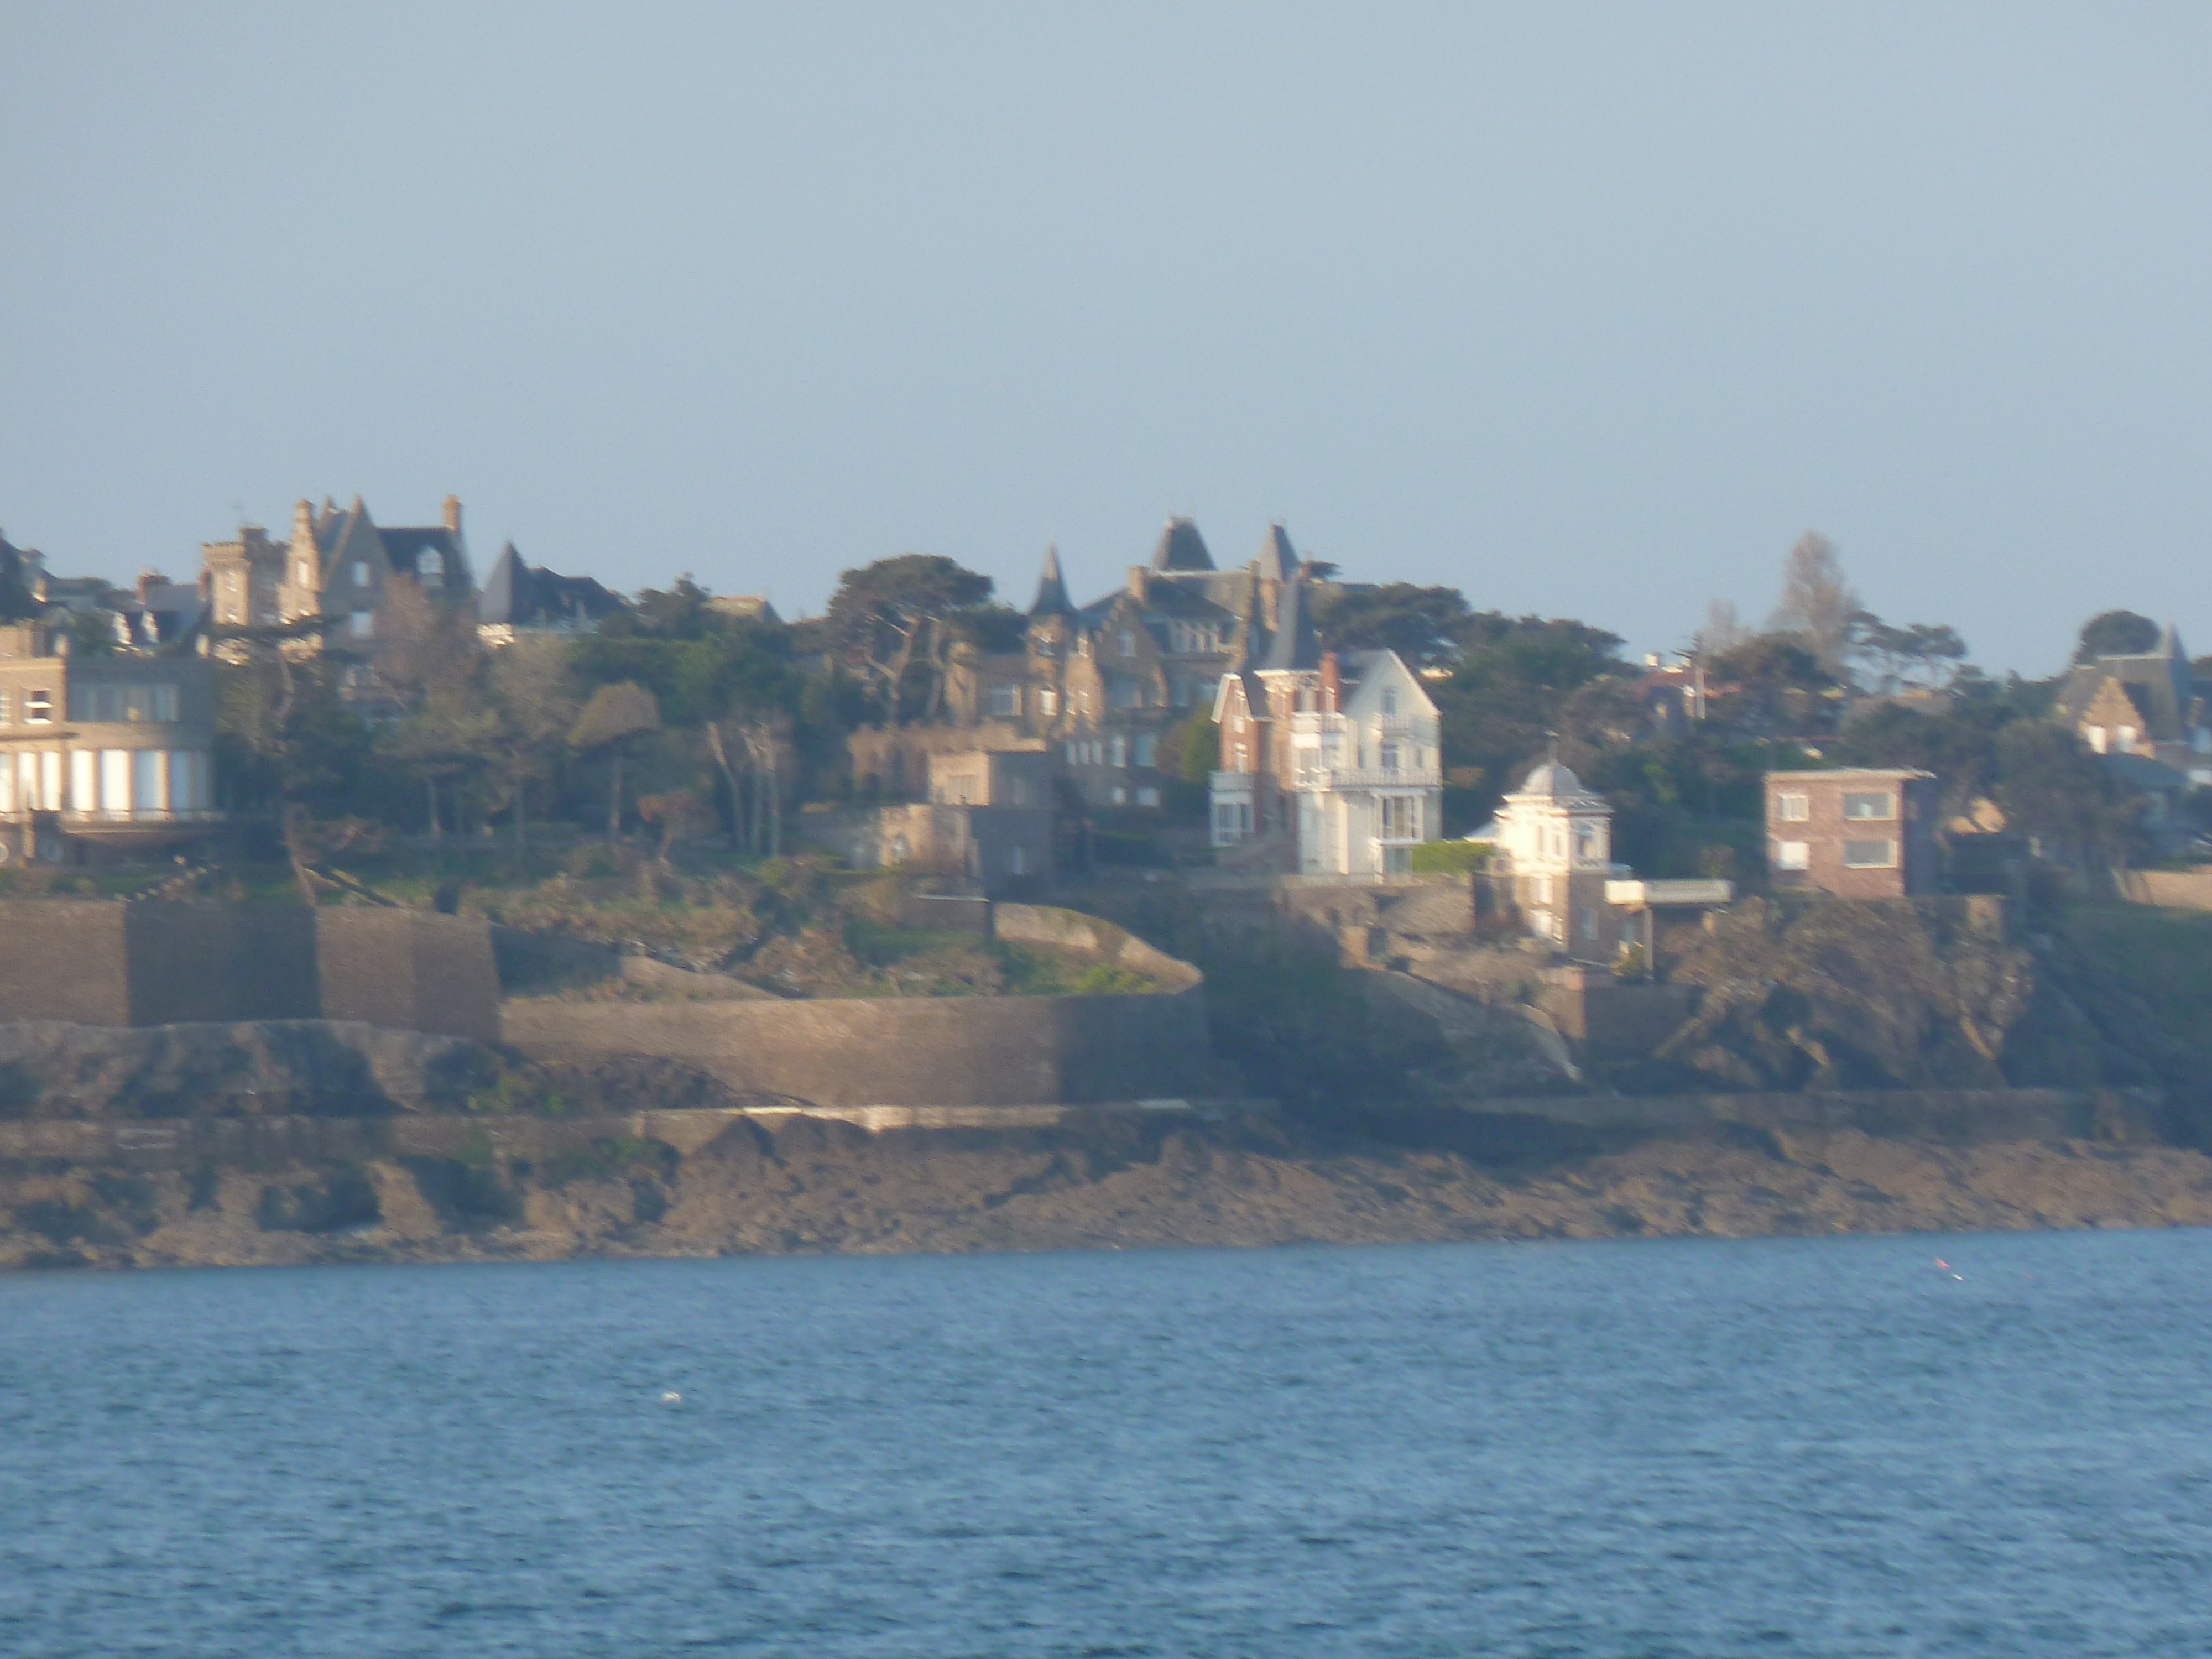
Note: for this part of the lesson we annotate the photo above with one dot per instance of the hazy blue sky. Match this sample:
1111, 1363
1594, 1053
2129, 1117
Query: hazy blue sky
1589, 310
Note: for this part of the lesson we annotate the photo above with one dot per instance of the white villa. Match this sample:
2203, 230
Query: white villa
1333, 761
1554, 841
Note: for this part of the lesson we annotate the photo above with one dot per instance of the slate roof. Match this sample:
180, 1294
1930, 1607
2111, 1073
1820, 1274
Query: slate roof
406, 545
2161, 683
1051, 598
1181, 548
1279, 560
522, 595
1295, 645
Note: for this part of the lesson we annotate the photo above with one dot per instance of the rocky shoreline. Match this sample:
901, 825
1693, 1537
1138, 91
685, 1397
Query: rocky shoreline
764, 1186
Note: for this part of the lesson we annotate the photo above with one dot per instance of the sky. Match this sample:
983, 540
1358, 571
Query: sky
1586, 310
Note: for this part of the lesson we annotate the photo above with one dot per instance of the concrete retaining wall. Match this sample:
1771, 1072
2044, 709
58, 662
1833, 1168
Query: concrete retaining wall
95, 963
921, 1051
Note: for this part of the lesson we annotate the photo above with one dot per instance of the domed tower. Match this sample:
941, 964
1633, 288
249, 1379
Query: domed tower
1555, 841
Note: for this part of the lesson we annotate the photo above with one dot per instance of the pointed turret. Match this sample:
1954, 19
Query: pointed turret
1051, 598
1181, 548
1246, 643
1296, 645
504, 596
1277, 559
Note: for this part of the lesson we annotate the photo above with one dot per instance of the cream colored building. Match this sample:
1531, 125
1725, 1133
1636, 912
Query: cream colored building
110, 751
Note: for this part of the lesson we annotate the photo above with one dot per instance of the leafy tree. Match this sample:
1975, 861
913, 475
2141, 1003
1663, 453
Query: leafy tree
1424, 625
2049, 784
1722, 631
1190, 748
1817, 602
1775, 686
1926, 653
615, 716
533, 688
891, 625
2115, 633
1513, 679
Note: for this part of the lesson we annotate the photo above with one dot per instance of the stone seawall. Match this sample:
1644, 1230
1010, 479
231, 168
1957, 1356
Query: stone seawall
918, 1051
159, 964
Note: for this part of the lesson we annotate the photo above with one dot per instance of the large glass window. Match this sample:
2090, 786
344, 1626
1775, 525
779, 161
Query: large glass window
1792, 854
1870, 804
1402, 817
1005, 700
1870, 855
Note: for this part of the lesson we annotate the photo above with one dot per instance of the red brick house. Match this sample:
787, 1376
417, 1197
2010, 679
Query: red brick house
1857, 832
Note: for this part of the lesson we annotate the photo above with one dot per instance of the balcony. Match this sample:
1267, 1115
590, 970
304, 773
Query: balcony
1366, 777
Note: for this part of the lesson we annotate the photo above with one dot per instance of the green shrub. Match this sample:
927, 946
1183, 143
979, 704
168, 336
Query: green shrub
1456, 858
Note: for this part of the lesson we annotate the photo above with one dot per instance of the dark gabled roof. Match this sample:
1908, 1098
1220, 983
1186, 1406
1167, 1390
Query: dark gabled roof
1279, 560
1051, 598
1295, 645
1181, 548
1175, 600
1255, 687
522, 595
405, 546
2160, 682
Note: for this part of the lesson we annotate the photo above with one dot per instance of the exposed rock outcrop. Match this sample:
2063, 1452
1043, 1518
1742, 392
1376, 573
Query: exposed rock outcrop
817, 1186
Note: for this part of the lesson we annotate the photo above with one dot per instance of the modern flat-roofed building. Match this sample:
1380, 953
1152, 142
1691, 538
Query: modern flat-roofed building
1857, 832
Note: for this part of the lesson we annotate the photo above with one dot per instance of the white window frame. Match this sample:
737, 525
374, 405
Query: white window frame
1887, 815
1887, 862
1793, 854
1793, 809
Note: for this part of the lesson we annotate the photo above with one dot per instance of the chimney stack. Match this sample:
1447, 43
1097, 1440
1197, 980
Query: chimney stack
454, 515
1140, 580
1332, 683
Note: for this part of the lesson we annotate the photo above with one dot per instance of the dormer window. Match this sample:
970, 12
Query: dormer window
306, 576
1129, 643
1389, 700
360, 573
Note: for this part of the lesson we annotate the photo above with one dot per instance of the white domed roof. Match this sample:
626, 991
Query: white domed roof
1554, 780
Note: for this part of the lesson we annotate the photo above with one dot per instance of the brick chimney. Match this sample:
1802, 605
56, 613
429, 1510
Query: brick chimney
454, 515
1139, 583
1332, 682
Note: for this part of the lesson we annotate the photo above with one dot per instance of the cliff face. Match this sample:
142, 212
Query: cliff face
1107, 1182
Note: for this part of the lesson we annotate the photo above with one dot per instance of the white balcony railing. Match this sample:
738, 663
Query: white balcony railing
72, 815
1364, 777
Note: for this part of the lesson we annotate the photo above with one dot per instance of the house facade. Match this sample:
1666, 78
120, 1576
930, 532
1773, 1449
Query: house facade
1857, 832
1098, 684
988, 819
106, 752
1554, 863
339, 576
1332, 763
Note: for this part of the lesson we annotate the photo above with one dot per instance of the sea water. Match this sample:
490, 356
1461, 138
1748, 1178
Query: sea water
1920, 1445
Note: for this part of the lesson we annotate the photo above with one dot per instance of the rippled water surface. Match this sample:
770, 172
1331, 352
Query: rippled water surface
1771, 1448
